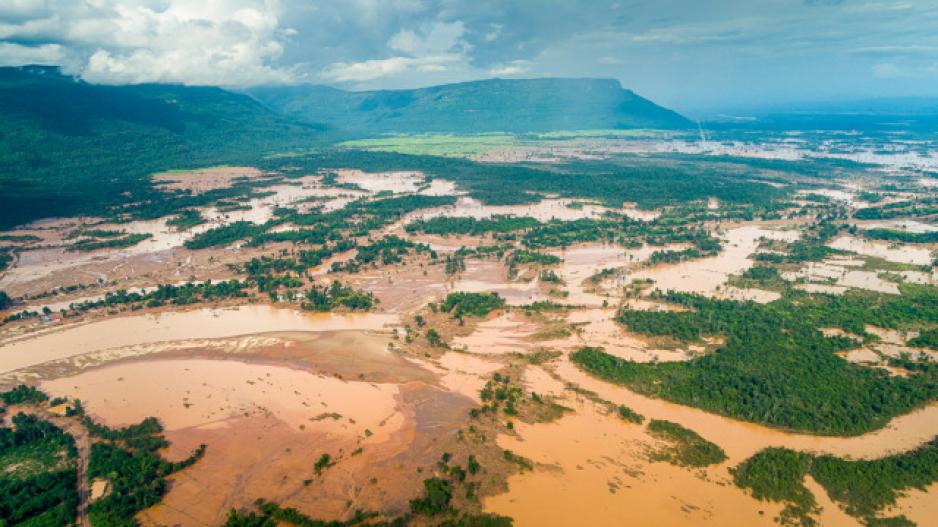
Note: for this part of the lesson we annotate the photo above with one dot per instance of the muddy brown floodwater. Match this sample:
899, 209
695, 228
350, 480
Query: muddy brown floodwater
59, 343
266, 426
708, 275
596, 469
598, 476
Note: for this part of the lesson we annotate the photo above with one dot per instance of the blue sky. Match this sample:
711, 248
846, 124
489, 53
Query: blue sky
685, 54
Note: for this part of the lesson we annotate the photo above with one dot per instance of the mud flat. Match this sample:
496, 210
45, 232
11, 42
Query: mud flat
188, 393
266, 426
374, 182
843, 278
746, 294
465, 374
597, 327
506, 333
707, 275
544, 210
893, 253
403, 288
199, 181
599, 475
69, 341
583, 261
492, 276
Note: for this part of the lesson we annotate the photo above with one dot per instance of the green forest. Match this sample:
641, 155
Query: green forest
863, 487
39, 481
776, 367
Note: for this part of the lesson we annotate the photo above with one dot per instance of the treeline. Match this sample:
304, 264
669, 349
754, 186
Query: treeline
23, 394
224, 235
864, 488
358, 218
91, 244
446, 225
922, 207
290, 270
812, 247
326, 298
901, 236
776, 367
386, 251
521, 257
178, 295
624, 231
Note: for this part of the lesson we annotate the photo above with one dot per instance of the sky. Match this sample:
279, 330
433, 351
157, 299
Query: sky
684, 54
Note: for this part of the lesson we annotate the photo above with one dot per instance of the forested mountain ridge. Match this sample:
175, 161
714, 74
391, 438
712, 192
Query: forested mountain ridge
68, 147
496, 105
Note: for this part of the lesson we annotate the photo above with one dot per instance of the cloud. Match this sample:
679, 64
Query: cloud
433, 48
16, 55
513, 68
378, 68
223, 42
890, 70
436, 38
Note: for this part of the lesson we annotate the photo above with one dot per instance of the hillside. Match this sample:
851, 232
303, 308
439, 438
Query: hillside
68, 147
532, 105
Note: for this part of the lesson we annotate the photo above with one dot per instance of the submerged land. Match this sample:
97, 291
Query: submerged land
661, 327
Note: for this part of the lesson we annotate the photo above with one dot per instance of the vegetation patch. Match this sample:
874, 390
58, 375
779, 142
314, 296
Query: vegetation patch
128, 458
926, 339
471, 304
445, 225
629, 414
686, 449
109, 242
38, 481
326, 298
863, 488
186, 220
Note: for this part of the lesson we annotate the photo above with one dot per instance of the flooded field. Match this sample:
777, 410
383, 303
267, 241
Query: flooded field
270, 388
597, 474
708, 275
898, 253
265, 426
835, 277
544, 210
66, 342
600, 464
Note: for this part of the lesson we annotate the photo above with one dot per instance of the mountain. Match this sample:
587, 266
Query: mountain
497, 105
68, 147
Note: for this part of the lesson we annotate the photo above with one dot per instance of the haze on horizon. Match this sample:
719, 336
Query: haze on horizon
719, 55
